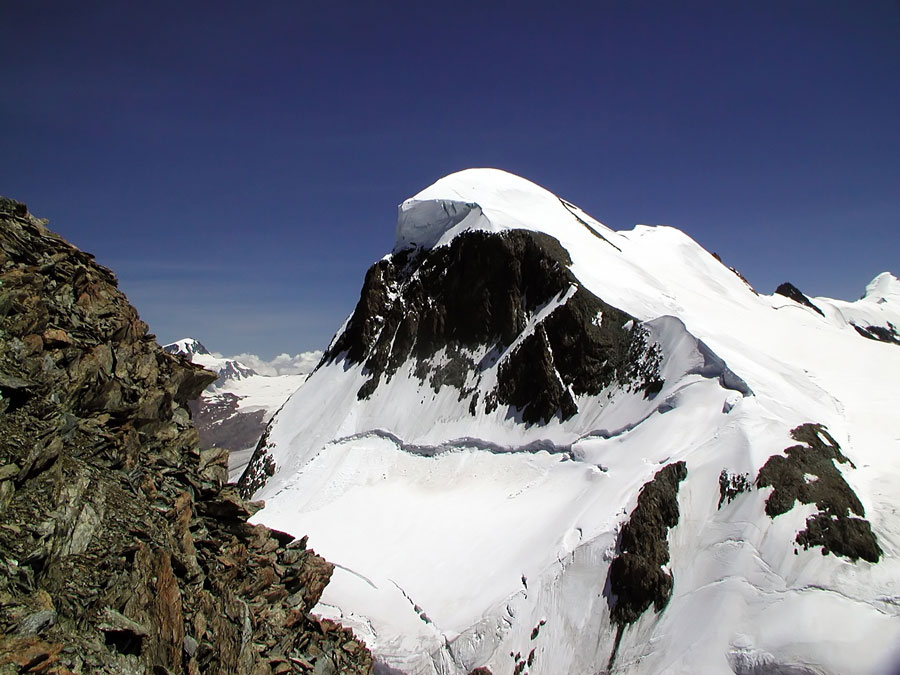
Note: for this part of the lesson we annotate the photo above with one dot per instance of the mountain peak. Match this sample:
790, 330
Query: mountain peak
883, 288
479, 183
516, 379
489, 200
186, 346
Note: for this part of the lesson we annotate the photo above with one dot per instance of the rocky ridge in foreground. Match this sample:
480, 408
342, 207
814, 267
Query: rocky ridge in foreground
122, 550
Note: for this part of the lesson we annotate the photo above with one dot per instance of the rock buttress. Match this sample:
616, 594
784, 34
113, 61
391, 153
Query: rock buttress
636, 575
474, 297
807, 473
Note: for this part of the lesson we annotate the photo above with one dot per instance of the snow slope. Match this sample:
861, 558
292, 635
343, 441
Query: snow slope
465, 538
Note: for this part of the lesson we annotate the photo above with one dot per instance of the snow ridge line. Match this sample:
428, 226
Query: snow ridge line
570, 208
463, 443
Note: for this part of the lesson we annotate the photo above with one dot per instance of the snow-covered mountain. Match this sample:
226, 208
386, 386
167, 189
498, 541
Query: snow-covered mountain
540, 445
233, 412
228, 370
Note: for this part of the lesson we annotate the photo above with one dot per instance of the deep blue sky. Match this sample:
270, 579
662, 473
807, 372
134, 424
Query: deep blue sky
239, 164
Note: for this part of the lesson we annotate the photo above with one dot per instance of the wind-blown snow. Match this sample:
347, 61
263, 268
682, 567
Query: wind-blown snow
455, 535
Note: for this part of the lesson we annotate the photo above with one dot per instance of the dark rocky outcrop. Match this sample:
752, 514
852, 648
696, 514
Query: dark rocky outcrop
121, 548
637, 579
477, 290
731, 485
887, 333
807, 473
576, 354
476, 296
788, 290
260, 468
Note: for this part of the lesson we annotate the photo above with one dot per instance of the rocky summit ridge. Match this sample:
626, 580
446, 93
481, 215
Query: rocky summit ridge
122, 548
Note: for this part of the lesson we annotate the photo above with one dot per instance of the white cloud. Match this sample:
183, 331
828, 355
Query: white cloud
283, 364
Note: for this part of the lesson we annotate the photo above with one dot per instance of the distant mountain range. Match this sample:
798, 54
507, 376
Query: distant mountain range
233, 411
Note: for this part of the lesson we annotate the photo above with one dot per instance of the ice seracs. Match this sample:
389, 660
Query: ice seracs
516, 374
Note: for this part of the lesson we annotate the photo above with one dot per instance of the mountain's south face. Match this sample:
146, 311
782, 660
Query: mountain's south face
539, 445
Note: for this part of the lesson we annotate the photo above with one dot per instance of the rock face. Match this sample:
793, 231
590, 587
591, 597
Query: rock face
808, 474
637, 575
472, 301
220, 424
887, 333
121, 548
788, 290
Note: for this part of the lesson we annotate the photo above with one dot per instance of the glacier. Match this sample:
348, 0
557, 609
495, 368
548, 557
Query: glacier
465, 537
232, 408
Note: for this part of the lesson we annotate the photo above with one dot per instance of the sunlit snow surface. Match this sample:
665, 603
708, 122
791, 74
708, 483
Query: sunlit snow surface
454, 536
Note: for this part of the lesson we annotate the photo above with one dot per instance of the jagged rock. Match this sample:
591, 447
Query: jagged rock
121, 548
636, 575
887, 333
732, 485
807, 473
36, 622
478, 294
788, 290
30, 655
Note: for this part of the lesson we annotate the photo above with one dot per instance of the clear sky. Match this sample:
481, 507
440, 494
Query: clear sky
239, 164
